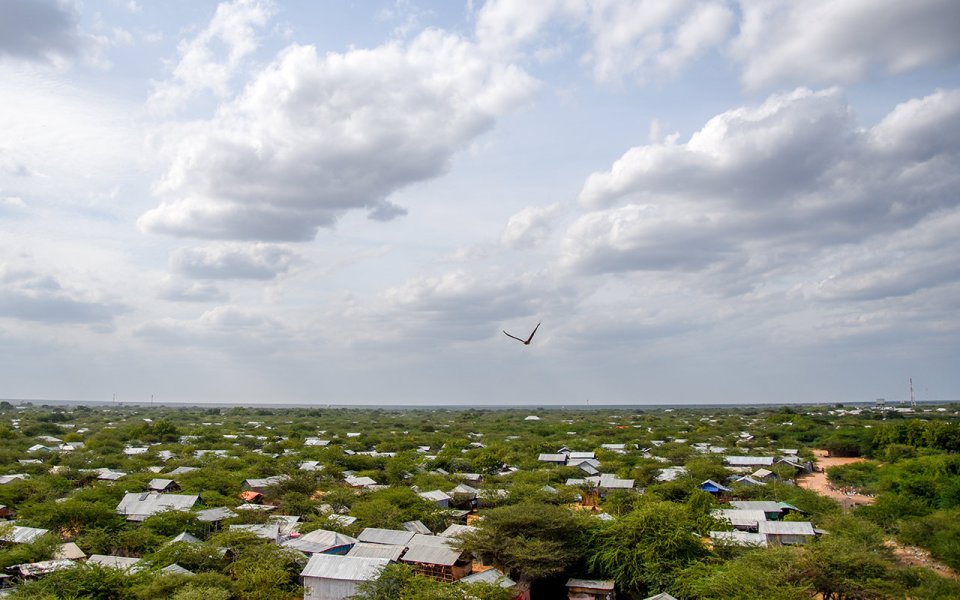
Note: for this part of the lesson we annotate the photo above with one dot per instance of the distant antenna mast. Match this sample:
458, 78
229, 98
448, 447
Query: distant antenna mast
913, 400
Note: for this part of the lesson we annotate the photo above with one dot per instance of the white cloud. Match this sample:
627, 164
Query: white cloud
209, 61
233, 261
314, 137
223, 327
637, 39
742, 155
775, 42
530, 227
190, 291
822, 42
765, 199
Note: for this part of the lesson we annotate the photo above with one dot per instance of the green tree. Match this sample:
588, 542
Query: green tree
530, 540
764, 573
644, 549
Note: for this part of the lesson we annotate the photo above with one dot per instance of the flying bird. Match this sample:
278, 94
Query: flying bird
525, 342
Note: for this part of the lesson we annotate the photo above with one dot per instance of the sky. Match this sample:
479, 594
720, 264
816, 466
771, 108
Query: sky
348, 202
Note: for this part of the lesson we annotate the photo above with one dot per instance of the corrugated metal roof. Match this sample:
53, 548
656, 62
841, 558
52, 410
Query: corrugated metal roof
455, 530
762, 505
417, 527
749, 461
114, 562
70, 551
149, 504
434, 551
22, 535
345, 568
435, 496
739, 538
185, 538
159, 484
739, 517
182, 470
787, 528
391, 552
331, 538
559, 458
491, 576
266, 481
386, 536
267, 531
175, 568
215, 514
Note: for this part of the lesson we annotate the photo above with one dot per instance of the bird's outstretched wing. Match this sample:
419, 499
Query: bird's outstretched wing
531, 333
512, 336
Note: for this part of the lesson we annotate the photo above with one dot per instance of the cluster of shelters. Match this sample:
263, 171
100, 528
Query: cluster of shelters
761, 523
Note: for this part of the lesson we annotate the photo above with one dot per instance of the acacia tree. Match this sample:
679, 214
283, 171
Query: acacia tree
644, 549
530, 540
762, 573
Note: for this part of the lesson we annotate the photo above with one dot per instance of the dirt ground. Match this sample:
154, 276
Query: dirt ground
913, 556
817, 481
905, 555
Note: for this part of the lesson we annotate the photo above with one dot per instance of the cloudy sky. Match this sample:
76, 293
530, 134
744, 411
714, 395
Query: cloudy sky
347, 201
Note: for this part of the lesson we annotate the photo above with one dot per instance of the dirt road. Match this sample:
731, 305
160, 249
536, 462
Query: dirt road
817, 481
905, 555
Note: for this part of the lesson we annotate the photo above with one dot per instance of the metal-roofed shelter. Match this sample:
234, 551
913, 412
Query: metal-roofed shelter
771, 509
417, 527
456, 529
441, 498
491, 576
557, 459
749, 461
125, 563
175, 568
215, 515
321, 541
69, 551
261, 485
399, 537
22, 535
182, 470
712, 487
266, 531
185, 538
331, 577
391, 552
745, 520
738, 538
787, 532
139, 506
163, 485
437, 557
